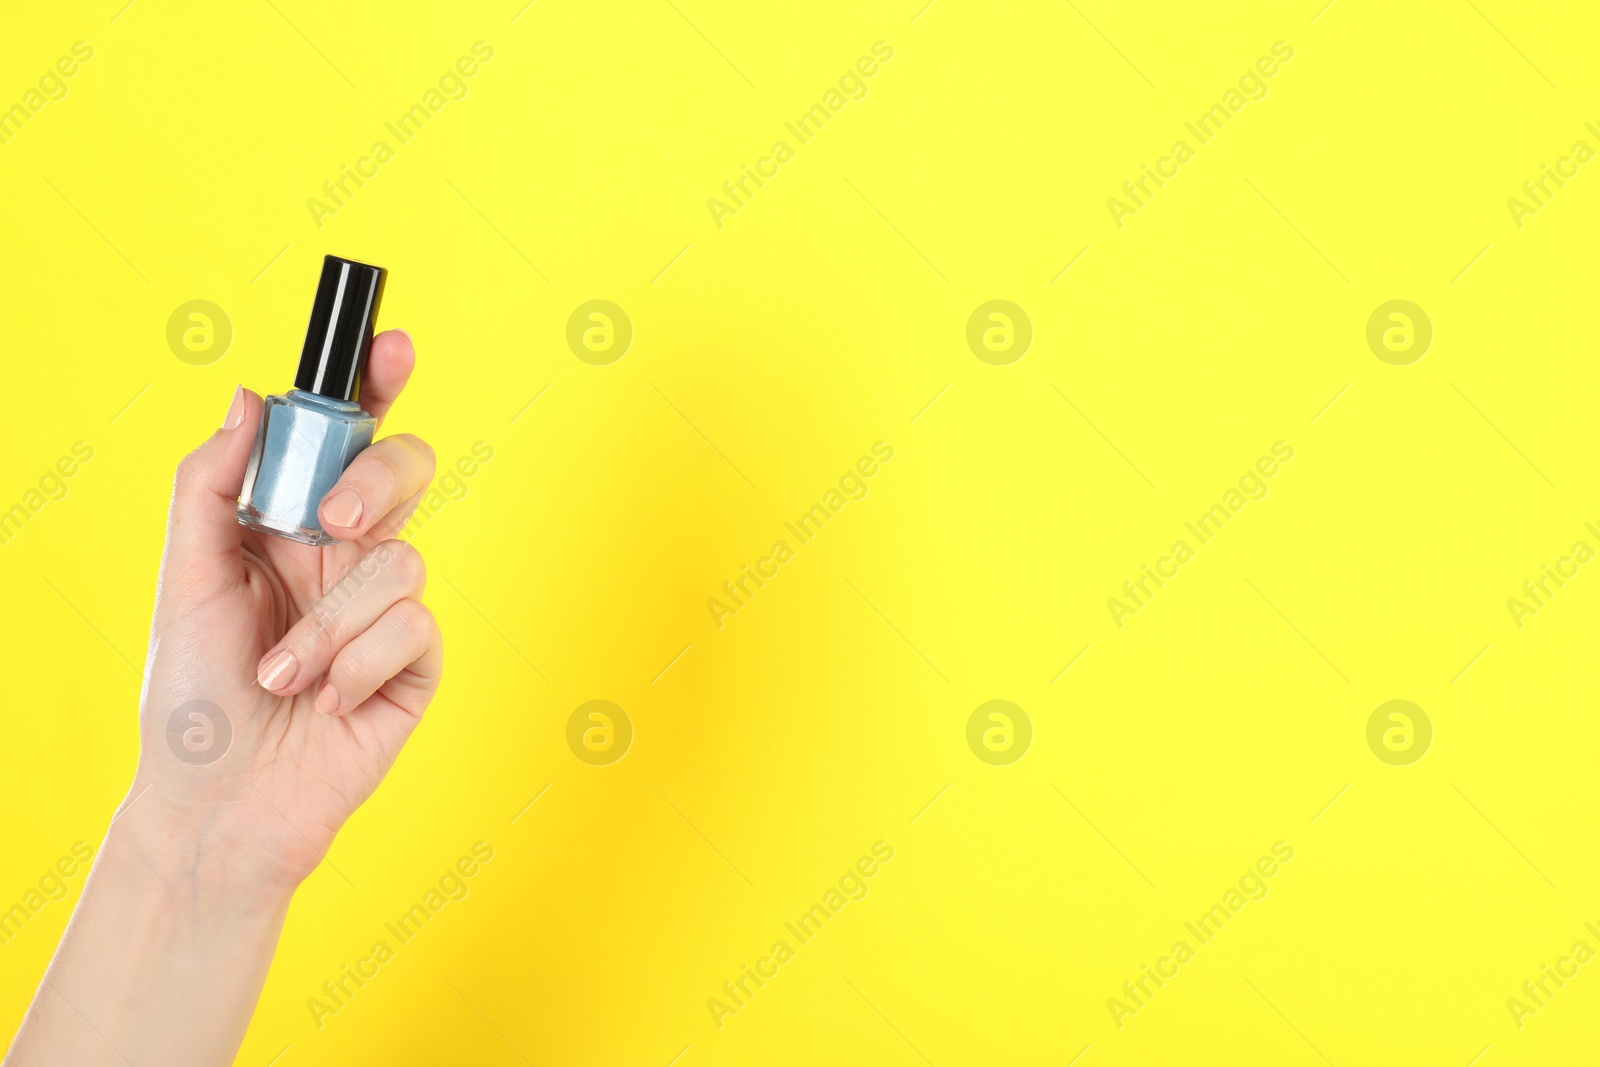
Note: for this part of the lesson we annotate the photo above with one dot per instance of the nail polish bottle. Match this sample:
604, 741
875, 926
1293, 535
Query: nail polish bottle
309, 435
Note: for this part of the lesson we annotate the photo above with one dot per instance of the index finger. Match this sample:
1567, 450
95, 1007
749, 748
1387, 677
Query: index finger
388, 369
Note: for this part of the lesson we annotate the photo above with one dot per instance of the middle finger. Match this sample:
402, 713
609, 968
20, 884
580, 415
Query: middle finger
379, 489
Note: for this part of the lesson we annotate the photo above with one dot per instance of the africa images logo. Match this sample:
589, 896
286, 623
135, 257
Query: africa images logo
199, 733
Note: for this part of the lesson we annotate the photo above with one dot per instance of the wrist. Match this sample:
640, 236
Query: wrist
167, 949
199, 852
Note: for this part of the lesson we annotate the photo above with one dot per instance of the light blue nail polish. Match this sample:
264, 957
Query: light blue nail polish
305, 442
309, 435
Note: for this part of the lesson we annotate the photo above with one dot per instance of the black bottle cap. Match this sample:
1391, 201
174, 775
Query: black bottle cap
339, 337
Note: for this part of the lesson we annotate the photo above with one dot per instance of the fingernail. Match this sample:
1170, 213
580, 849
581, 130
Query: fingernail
235, 410
277, 672
328, 700
406, 334
343, 508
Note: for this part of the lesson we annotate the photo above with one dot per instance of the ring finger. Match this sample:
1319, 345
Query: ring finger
390, 573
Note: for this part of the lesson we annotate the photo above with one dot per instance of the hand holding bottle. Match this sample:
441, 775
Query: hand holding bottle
282, 681
321, 659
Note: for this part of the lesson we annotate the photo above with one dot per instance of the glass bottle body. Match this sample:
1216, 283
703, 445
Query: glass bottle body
303, 445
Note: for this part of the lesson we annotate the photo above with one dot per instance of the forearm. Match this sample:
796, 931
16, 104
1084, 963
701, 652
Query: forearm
163, 960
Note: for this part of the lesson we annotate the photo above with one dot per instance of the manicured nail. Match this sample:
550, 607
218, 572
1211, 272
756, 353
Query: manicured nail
328, 699
277, 672
343, 508
235, 410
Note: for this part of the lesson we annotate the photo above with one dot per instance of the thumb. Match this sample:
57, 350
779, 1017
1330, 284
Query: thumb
202, 528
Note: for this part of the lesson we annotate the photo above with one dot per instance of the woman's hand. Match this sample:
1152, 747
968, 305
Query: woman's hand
283, 679
281, 682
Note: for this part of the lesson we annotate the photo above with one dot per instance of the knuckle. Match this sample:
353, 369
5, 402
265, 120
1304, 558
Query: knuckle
406, 562
382, 473
319, 634
190, 473
423, 450
413, 621
347, 673
353, 664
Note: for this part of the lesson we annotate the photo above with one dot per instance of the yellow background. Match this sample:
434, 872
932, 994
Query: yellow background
768, 355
